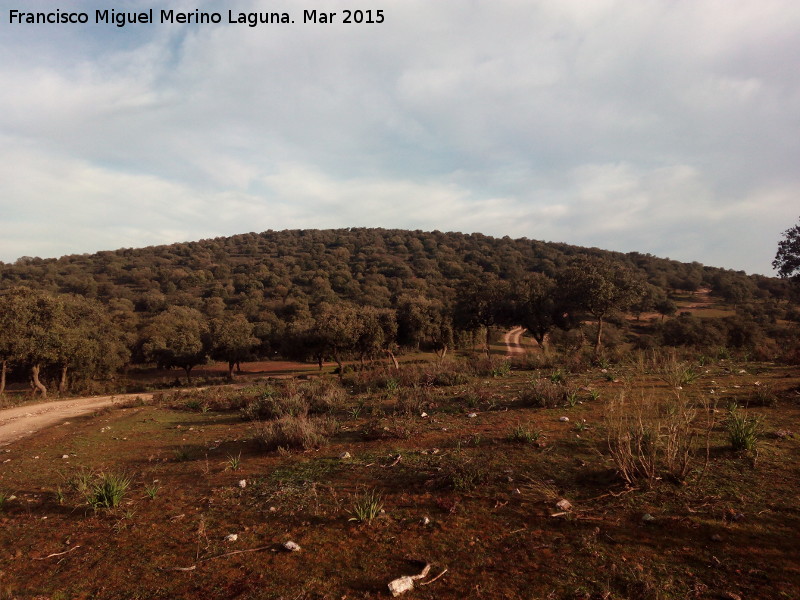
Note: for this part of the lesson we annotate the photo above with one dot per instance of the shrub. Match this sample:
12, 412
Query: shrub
650, 439
523, 435
182, 454
151, 490
764, 395
742, 430
463, 474
530, 361
544, 393
367, 506
324, 394
108, 490
489, 366
296, 432
412, 401
277, 406
392, 429
674, 372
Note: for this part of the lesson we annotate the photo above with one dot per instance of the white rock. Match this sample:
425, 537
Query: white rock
243, 483
344, 456
423, 415
401, 585
564, 504
426, 520
564, 419
65, 456
469, 416
292, 546
648, 518
231, 537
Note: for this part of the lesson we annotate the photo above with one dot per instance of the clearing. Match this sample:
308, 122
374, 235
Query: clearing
474, 487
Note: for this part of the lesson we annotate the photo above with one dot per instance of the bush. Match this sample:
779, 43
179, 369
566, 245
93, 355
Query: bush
412, 401
463, 474
367, 506
296, 399
547, 393
688, 330
764, 395
650, 439
108, 490
742, 431
296, 432
276, 407
489, 366
523, 435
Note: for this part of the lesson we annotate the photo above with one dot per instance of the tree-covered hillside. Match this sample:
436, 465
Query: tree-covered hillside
355, 293
366, 266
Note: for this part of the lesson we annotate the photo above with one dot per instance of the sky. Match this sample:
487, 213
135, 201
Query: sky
667, 127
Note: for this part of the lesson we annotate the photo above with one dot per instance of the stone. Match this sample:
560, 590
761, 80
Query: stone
401, 585
344, 456
564, 504
292, 546
564, 419
231, 537
243, 483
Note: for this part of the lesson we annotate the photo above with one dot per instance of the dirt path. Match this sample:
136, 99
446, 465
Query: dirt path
22, 421
513, 341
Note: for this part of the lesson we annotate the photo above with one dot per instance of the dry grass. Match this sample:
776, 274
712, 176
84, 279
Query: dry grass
651, 438
296, 432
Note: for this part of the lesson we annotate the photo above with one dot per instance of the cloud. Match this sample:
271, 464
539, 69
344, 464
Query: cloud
661, 127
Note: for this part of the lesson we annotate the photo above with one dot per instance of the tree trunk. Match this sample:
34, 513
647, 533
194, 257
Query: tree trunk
319, 361
488, 333
394, 359
38, 385
442, 353
338, 360
3, 377
62, 383
230, 370
598, 341
188, 375
539, 337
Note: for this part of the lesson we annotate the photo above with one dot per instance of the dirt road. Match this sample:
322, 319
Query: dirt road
513, 341
22, 421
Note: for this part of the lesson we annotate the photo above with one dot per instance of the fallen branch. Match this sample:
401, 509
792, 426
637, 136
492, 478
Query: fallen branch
58, 553
434, 579
622, 493
396, 460
202, 560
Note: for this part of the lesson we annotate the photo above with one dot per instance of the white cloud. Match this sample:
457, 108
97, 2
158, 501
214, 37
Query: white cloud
662, 127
